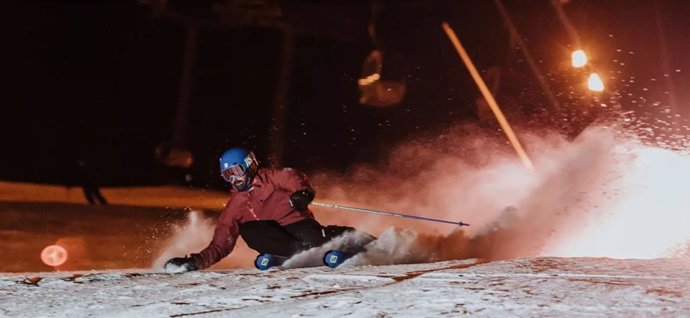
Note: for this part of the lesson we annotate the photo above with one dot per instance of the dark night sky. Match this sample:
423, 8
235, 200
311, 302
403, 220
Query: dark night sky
98, 81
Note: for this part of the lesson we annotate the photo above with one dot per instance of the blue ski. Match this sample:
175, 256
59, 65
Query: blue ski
265, 261
334, 258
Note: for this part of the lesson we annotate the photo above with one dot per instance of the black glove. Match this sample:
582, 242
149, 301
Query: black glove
301, 198
180, 265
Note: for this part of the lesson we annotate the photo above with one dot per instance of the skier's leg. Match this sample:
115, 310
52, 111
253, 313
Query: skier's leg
312, 234
354, 243
101, 199
333, 231
88, 194
269, 237
309, 232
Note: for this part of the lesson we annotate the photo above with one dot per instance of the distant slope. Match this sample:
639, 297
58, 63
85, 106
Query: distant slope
157, 196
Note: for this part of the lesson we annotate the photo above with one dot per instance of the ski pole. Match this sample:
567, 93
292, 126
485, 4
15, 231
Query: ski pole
335, 206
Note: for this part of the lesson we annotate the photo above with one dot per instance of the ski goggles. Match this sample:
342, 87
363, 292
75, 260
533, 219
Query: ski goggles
232, 173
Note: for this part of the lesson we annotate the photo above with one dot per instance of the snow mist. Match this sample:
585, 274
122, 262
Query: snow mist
601, 194
193, 236
189, 238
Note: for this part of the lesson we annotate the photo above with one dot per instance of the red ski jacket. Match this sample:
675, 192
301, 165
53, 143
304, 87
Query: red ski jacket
267, 199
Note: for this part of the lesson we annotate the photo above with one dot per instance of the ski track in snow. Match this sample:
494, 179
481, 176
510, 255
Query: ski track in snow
524, 287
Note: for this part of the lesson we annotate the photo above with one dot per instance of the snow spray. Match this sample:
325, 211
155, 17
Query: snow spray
188, 238
601, 194
193, 236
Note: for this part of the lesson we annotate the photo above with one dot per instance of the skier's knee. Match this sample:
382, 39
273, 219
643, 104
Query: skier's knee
332, 231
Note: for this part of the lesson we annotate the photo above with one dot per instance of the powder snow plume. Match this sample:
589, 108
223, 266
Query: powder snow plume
188, 238
602, 194
193, 236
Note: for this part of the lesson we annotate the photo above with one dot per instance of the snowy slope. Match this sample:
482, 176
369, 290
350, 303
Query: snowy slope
523, 287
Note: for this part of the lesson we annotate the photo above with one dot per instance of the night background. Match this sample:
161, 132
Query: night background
100, 82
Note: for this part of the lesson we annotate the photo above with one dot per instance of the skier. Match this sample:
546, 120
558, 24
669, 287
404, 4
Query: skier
267, 207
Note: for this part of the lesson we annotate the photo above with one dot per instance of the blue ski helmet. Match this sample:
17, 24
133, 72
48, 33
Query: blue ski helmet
238, 166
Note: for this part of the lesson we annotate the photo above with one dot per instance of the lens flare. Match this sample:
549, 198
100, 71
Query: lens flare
54, 255
594, 83
579, 58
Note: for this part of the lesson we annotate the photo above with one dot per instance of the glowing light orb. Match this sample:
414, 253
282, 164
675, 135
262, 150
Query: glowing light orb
594, 83
579, 58
54, 255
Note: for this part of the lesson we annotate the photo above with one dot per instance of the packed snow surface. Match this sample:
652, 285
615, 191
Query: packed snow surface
528, 287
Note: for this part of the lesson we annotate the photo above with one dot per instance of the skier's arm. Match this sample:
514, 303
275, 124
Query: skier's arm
223, 242
290, 180
297, 184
